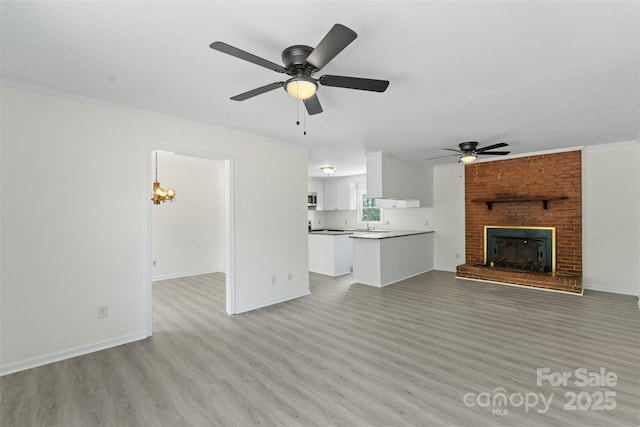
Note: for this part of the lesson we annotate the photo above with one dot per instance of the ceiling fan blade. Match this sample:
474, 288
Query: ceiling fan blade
332, 44
451, 149
442, 157
257, 91
493, 153
491, 147
238, 53
354, 83
313, 105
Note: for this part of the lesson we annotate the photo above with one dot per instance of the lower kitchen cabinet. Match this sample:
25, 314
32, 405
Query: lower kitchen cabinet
330, 254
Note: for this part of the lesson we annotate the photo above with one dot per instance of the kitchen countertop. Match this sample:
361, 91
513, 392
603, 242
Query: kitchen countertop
388, 234
330, 232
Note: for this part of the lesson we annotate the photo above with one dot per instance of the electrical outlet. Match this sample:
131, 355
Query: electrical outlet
103, 311
426, 223
289, 276
273, 279
457, 255
387, 222
346, 221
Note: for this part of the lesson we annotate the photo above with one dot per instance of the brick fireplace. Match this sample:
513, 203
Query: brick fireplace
537, 193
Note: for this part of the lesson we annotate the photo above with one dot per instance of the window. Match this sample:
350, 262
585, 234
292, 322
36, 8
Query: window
367, 209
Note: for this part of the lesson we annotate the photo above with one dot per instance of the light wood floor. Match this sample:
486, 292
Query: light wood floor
347, 355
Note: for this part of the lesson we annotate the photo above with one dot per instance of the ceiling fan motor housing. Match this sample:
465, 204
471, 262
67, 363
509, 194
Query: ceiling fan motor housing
294, 59
468, 146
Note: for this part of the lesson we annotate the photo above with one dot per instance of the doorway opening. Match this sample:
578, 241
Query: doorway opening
193, 233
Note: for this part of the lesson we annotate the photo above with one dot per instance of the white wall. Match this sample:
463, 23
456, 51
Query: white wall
449, 241
75, 229
188, 233
611, 218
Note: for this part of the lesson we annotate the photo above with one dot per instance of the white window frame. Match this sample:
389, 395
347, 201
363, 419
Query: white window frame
361, 193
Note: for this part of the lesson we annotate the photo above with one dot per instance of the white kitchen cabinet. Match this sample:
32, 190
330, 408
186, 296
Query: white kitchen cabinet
317, 186
339, 194
330, 195
312, 185
330, 254
346, 195
320, 195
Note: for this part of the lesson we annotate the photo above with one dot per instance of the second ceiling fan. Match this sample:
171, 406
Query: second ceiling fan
301, 63
469, 151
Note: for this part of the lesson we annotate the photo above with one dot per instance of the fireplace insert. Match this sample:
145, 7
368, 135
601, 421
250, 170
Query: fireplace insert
521, 248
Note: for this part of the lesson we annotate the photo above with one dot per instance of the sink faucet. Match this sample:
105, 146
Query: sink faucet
366, 217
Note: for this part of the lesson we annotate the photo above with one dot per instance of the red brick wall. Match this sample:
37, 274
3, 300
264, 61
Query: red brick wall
548, 175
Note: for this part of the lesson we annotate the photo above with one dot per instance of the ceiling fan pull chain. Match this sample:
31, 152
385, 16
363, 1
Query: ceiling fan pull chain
297, 113
304, 117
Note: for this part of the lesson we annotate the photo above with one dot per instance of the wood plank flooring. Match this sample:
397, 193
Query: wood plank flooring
348, 355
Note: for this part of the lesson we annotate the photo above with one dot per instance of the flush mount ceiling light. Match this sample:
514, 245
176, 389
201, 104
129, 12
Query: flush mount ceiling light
328, 170
301, 87
160, 195
468, 158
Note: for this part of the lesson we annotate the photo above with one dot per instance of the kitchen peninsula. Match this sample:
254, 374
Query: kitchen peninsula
381, 258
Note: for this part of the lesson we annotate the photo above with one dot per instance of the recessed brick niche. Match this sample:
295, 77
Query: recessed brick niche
518, 190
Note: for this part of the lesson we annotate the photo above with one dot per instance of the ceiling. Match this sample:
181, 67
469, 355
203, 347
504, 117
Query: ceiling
538, 75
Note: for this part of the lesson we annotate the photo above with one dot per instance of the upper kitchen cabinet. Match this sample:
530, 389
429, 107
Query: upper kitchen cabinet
391, 178
338, 193
315, 187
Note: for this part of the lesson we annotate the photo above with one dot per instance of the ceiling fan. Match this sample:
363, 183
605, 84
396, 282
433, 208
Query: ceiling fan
301, 63
468, 151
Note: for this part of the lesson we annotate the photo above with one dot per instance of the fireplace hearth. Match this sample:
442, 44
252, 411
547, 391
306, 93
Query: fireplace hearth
520, 248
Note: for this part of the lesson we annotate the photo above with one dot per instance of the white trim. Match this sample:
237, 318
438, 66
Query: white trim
603, 288
68, 354
395, 281
272, 301
447, 269
230, 238
522, 286
187, 274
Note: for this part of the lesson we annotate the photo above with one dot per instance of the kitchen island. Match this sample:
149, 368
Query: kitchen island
381, 258
330, 252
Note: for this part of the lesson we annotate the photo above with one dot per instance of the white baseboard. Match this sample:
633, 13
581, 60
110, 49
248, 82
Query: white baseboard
601, 288
449, 269
188, 274
394, 281
271, 301
57, 356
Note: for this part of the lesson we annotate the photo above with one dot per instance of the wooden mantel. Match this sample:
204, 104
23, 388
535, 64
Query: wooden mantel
544, 200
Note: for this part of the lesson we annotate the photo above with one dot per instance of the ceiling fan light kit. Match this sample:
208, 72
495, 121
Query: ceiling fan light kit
301, 87
301, 63
468, 158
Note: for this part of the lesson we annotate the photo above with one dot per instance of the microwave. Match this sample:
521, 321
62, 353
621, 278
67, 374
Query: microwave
312, 200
